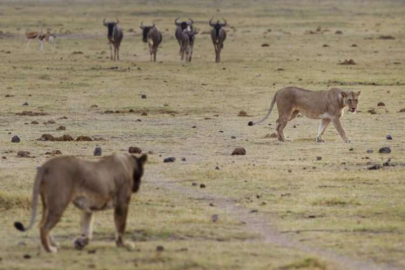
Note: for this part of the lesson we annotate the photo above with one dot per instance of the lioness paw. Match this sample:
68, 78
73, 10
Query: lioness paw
81, 242
320, 140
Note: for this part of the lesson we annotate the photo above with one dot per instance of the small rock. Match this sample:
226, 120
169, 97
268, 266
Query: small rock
214, 218
49, 122
15, 139
143, 96
254, 211
240, 151
27, 256
160, 248
92, 251
389, 137
265, 45
381, 104
144, 114
375, 167
194, 127
25, 104
194, 184
98, 151
23, 154
384, 150
370, 151
348, 62
61, 128
325, 45
387, 163
351, 149
202, 186
233, 137
34, 123
242, 113
338, 32
402, 110
134, 150
216, 168
183, 159
318, 158
169, 159
94, 106
84, 139
54, 152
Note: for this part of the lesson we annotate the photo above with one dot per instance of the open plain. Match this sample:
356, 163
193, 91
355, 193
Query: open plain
299, 205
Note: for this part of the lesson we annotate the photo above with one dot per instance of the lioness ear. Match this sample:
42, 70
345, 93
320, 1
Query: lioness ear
343, 94
142, 159
358, 93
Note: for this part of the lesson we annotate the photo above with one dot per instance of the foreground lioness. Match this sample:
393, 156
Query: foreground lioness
91, 186
326, 105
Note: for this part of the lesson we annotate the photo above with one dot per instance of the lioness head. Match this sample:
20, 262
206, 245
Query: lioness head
138, 171
351, 99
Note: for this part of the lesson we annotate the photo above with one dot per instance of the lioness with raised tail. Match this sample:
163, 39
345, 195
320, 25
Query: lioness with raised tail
91, 186
325, 105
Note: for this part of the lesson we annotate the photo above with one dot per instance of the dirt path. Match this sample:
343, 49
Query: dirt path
259, 223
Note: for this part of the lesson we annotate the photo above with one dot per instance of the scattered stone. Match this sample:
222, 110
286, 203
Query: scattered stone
54, 152
27, 256
183, 159
351, 149
202, 186
34, 123
134, 150
211, 204
386, 37
338, 32
380, 104
325, 45
240, 151
384, 150
160, 248
194, 127
233, 137
94, 106
254, 211
169, 159
61, 128
318, 158
84, 139
402, 110
265, 45
354, 45
49, 122
144, 114
15, 139
272, 135
375, 167
9, 95
194, 184
217, 168
98, 151
25, 104
30, 113
242, 113
214, 218
372, 111
23, 154
143, 96
348, 62
370, 151
389, 137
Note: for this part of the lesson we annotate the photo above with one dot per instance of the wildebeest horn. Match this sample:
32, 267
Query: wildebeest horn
224, 23
176, 23
191, 21
118, 21
153, 24
211, 22
141, 26
104, 22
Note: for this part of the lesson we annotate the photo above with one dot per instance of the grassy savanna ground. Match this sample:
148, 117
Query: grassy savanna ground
278, 207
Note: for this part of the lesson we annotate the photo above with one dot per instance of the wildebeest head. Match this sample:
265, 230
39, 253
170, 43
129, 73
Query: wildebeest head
217, 26
184, 25
110, 26
145, 31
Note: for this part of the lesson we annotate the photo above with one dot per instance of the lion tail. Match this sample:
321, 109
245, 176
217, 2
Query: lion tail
18, 225
251, 123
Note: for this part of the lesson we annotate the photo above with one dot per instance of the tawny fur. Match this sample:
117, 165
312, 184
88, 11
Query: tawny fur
90, 186
325, 105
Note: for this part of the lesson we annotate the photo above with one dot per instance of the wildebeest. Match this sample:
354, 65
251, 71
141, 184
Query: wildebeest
153, 36
181, 26
218, 36
115, 36
48, 37
187, 43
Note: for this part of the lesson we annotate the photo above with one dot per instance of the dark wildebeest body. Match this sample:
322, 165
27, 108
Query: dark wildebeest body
187, 44
115, 36
181, 26
218, 36
153, 36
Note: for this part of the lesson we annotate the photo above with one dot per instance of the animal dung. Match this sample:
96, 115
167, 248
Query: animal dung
169, 160
318, 158
389, 137
143, 96
134, 150
384, 150
242, 113
23, 154
239, 151
61, 128
15, 139
380, 104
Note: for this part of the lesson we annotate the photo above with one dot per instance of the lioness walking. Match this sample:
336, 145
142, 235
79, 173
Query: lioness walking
325, 105
91, 186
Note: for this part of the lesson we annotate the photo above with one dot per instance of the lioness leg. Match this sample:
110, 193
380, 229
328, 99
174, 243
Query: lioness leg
294, 114
120, 218
86, 230
341, 131
282, 123
321, 130
52, 218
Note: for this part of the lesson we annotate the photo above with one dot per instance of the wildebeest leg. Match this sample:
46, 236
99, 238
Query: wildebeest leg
111, 52
321, 130
340, 129
191, 54
86, 230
